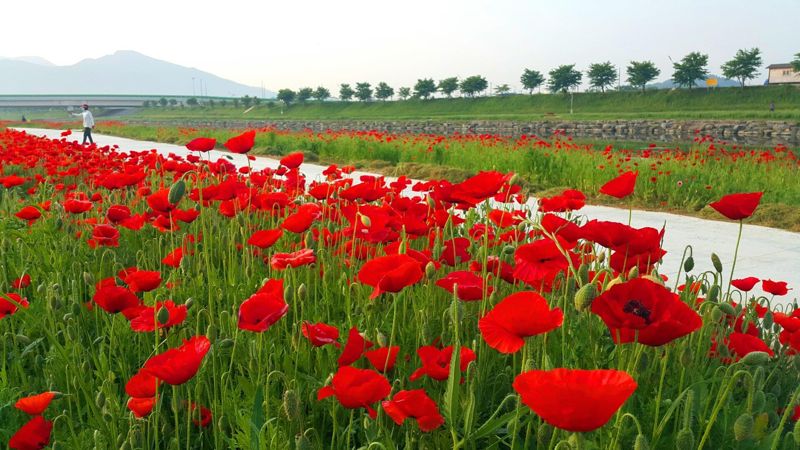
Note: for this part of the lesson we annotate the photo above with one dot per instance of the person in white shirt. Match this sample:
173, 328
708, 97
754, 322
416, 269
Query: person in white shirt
88, 123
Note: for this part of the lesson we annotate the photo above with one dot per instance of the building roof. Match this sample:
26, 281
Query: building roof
779, 66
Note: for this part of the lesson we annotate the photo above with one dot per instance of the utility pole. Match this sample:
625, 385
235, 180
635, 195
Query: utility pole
193, 94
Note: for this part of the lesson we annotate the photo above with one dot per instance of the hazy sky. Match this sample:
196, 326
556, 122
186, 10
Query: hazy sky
309, 43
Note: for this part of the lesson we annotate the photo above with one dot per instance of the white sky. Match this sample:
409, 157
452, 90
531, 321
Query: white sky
326, 42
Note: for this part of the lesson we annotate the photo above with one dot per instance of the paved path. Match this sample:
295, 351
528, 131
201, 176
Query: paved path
763, 253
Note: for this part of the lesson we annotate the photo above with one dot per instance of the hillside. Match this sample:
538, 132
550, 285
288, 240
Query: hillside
721, 103
124, 72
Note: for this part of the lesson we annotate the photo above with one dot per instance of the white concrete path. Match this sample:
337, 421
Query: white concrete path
763, 253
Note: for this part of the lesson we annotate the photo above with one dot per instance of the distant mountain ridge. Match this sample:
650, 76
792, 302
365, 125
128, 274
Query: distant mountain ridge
721, 82
125, 72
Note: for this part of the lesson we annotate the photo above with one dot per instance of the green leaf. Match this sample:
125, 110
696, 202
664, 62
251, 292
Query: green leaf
257, 418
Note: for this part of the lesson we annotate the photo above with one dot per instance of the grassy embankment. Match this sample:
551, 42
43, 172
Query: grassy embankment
681, 180
724, 103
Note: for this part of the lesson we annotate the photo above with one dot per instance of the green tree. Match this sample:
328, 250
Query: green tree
404, 92
383, 91
322, 94
796, 63
247, 101
531, 79
744, 66
602, 75
363, 91
473, 85
424, 88
191, 101
448, 86
211, 103
236, 103
256, 101
223, 103
304, 94
173, 102
163, 101
346, 92
690, 69
642, 72
146, 103
564, 78
502, 89
287, 96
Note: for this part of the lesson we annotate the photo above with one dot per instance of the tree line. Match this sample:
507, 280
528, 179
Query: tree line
601, 76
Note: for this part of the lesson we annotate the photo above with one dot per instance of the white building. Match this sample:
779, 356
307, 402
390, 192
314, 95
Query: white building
782, 74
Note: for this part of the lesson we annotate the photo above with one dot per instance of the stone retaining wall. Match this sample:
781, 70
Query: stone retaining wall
745, 132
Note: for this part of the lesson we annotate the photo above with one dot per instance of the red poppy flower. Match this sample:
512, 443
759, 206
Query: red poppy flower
178, 365
281, 261
241, 143
301, 220
115, 299
569, 200
436, 362
142, 385
741, 344
35, 405
774, 287
355, 347
620, 187
455, 250
202, 417
320, 334
147, 319
383, 358
738, 206
496, 267
505, 219
202, 144
264, 308
292, 160
643, 311
538, 262
159, 201
265, 238
173, 258
34, 435
516, 317
745, 284
66, 133
414, 404
390, 273
21, 282
466, 285
10, 302
28, 213
118, 213
142, 280
104, 236
357, 388
575, 400
74, 206
141, 407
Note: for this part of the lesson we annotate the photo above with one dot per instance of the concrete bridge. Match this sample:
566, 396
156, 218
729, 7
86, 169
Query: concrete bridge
107, 101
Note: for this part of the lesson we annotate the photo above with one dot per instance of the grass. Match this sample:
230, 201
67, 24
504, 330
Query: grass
722, 104
261, 387
682, 179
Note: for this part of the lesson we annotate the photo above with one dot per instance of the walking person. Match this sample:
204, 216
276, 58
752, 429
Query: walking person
88, 123
772, 106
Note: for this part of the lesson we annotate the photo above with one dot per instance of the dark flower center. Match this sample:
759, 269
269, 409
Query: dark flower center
636, 308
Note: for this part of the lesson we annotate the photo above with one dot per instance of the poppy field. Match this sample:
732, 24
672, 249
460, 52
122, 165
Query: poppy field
157, 301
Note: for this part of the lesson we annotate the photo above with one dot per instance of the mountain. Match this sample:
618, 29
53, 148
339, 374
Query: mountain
30, 59
721, 82
124, 73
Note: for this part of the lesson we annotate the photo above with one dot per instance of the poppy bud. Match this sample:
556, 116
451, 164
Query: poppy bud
613, 283
759, 401
717, 314
430, 269
713, 293
308, 240
796, 432
25, 340
543, 434
291, 406
716, 262
301, 290
431, 202
633, 273
189, 302
211, 333
100, 399
365, 220
287, 292
756, 358
508, 249
768, 319
743, 427
76, 309
727, 309
176, 192
301, 442
225, 343
688, 265
163, 315
88, 278
583, 273
601, 258
381, 338
585, 296
686, 357
685, 439
640, 443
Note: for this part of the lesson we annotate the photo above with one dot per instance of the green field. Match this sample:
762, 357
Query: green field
723, 103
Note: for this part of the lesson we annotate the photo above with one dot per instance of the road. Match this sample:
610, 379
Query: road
766, 253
